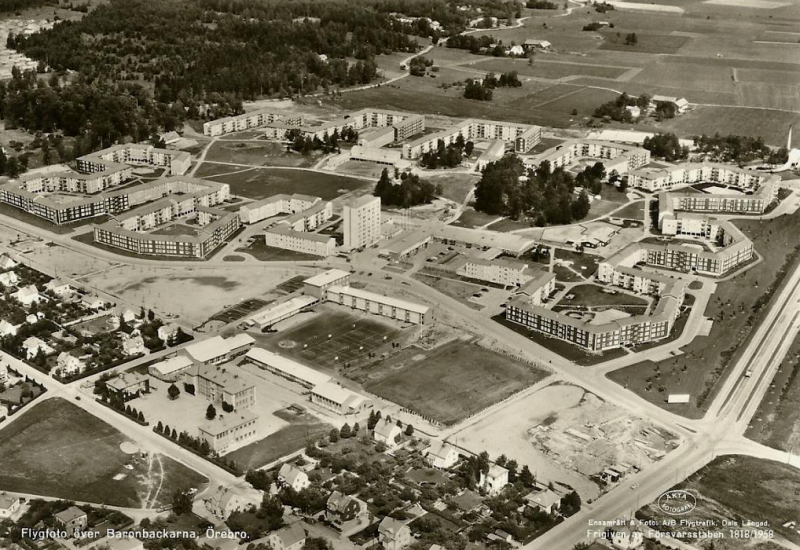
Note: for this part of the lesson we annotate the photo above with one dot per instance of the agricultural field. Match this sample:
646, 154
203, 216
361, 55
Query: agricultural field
706, 361
59, 450
548, 69
763, 490
690, 76
451, 382
647, 42
260, 183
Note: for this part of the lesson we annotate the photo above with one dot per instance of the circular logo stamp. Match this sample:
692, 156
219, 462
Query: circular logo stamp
677, 502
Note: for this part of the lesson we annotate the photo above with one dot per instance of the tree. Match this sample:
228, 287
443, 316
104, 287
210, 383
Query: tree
173, 392
631, 40
174, 434
227, 407
317, 543
140, 416
211, 412
356, 427
182, 502
345, 432
526, 477
160, 427
409, 430
333, 435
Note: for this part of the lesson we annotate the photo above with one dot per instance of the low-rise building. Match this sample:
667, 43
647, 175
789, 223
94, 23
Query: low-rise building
294, 477
286, 368
9, 278
9, 505
171, 370
334, 397
341, 508
28, 295
300, 241
319, 284
7, 329
442, 455
229, 431
69, 365
387, 432
394, 534
133, 345
72, 520
291, 537
32, 346
223, 502
495, 480
377, 304
129, 385
217, 349
543, 499
482, 239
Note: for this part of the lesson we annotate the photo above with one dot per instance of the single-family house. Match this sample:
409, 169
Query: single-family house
34, 317
223, 502
394, 534
627, 538
442, 455
133, 345
291, 537
468, 501
495, 480
127, 315
93, 303
536, 44
516, 50
69, 364
167, 332
543, 499
59, 288
341, 508
294, 477
7, 329
32, 345
28, 295
9, 278
72, 520
387, 432
170, 138
7, 263
9, 504
500, 535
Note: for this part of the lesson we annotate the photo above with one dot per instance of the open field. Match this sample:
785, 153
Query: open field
584, 263
741, 488
260, 183
549, 70
164, 289
57, 449
777, 420
585, 100
301, 430
361, 168
455, 187
451, 382
647, 42
332, 334
710, 78
259, 153
773, 126
705, 362
458, 290
632, 211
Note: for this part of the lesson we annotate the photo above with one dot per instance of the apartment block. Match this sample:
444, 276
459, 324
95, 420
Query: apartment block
300, 241
362, 222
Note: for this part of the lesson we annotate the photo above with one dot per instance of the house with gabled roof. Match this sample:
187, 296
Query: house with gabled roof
292, 476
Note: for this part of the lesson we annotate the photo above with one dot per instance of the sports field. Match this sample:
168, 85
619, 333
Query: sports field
773, 126
260, 183
451, 382
334, 338
59, 450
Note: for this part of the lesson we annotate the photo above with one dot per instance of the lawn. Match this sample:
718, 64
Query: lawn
59, 450
300, 432
736, 308
583, 263
362, 168
451, 382
549, 70
632, 211
261, 183
263, 253
472, 218
777, 420
508, 224
741, 487
259, 153
593, 296
175, 229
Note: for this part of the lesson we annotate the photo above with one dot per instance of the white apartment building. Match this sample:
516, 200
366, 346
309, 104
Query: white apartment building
300, 241
362, 222
497, 271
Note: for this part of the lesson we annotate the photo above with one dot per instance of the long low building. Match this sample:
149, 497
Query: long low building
406, 245
616, 157
523, 136
300, 241
282, 366
280, 312
483, 239
248, 121
334, 397
377, 304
